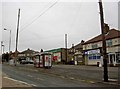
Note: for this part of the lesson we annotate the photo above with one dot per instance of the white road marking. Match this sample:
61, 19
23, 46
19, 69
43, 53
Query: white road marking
29, 69
19, 81
39, 78
16, 80
91, 82
113, 80
62, 76
72, 78
29, 75
33, 85
111, 83
81, 80
36, 70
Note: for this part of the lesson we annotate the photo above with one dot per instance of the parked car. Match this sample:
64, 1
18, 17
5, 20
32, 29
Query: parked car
26, 62
23, 62
29, 62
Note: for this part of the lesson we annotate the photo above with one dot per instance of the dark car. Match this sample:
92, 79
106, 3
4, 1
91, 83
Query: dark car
23, 62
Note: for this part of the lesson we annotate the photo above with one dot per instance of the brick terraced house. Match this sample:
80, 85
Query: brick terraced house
93, 49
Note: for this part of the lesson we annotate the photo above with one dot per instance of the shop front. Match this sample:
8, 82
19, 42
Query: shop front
114, 59
113, 55
93, 57
57, 57
79, 58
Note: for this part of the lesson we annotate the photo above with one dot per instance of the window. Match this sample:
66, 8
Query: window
28, 54
116, 41
109, 43
94, 56
94, 46
118, 57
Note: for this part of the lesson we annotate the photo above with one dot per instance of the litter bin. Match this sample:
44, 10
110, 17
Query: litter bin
98, 63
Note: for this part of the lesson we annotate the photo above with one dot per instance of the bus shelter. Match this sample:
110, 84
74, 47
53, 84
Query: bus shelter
43, 60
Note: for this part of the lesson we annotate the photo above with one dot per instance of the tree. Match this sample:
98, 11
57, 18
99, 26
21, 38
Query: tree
41, 50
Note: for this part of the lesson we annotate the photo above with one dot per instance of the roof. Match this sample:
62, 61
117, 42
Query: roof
79, 45
14, 52
28, 51
54, 50
42, 53
110, 35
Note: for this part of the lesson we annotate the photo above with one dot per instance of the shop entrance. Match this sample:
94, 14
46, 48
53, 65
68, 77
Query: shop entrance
112, 59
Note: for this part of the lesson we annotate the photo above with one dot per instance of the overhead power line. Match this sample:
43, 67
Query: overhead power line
39, 16
36, 15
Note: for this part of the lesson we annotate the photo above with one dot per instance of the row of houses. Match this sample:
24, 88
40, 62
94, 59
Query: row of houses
90, 52
85, 53
93, 48
24, 55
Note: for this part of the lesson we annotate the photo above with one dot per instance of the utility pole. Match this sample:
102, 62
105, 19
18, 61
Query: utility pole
103, 42
10, 42
16, 51
66, 46
17, 29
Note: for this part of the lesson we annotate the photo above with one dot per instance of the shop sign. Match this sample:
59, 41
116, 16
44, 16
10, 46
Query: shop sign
93, 51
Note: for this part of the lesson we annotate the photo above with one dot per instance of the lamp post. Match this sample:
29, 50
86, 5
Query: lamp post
66, 48
9, 39
73, 53
1, 46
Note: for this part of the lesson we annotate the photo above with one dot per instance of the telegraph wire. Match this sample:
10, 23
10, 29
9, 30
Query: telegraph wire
39, 16
34, 16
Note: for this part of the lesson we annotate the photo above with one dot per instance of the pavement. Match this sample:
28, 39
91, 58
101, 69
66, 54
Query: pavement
9, 82
6, 82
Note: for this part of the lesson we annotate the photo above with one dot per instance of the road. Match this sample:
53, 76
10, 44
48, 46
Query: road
78, 72
44, 79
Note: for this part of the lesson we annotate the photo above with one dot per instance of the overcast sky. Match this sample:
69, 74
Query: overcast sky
43, 24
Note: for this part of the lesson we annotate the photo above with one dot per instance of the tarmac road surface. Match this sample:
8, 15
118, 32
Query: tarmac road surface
42, 79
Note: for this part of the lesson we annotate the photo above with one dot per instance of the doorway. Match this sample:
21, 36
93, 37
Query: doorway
112, 59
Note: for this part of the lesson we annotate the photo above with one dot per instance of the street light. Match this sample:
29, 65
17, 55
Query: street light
66, 47
2, 47
9, 39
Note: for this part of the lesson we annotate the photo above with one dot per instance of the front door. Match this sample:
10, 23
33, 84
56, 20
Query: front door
112, 59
